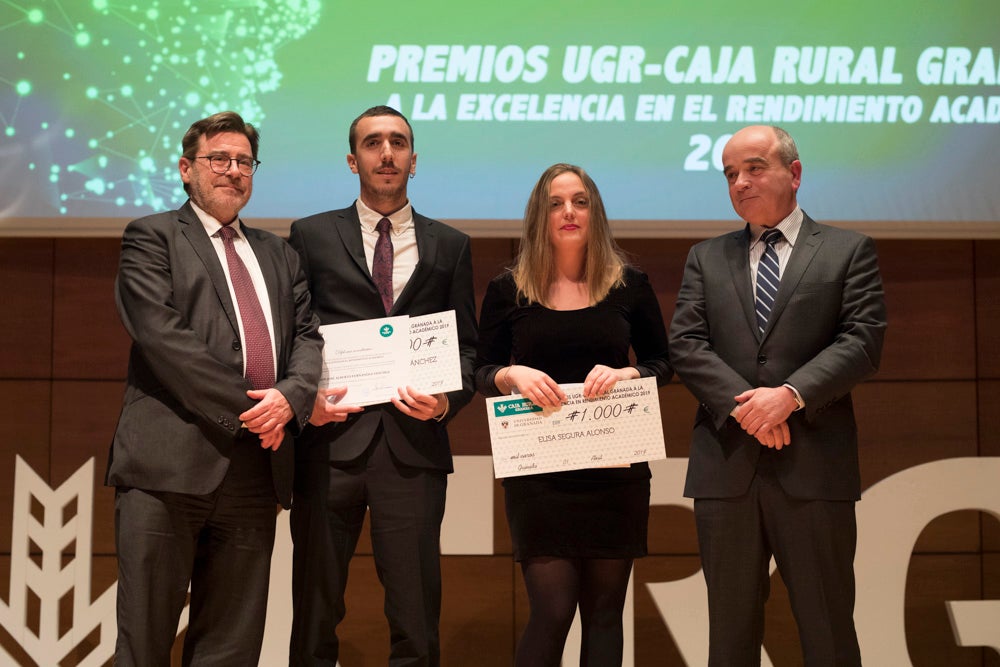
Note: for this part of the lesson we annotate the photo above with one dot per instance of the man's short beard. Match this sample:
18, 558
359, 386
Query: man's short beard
390, 191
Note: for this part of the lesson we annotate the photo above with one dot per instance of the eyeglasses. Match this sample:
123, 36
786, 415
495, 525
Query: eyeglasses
221, 163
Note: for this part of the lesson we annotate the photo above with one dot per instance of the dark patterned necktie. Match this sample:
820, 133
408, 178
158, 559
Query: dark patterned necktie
768, 275
382, 263
257, 339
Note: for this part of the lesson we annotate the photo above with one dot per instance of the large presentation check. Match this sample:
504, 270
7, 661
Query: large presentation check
373, 358
620, 428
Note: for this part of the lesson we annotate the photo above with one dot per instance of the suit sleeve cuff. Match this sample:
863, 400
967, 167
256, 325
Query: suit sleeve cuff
444, 413
800, 404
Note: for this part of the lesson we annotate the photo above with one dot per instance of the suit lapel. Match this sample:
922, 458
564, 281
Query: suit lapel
348, 227
807, 243
738, 258
427, 255
194, 232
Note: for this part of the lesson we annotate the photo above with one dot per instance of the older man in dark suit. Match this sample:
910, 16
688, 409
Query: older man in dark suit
375, 258
774, 325
224, 367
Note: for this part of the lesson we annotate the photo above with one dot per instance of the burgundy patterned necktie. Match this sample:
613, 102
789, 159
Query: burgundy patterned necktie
382, 263
257, 340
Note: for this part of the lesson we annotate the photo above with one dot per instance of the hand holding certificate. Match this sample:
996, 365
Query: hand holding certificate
373, 358
621, 427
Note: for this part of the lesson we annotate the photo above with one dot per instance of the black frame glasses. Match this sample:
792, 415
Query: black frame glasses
221, 164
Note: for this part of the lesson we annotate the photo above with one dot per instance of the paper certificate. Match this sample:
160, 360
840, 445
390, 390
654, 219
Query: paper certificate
369, 357
621, 427
373, 358
435, 363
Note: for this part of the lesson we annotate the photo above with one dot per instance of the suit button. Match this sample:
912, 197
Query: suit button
762, 359
236, 344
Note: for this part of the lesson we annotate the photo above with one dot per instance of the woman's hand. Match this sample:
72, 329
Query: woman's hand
601, 379
534, 385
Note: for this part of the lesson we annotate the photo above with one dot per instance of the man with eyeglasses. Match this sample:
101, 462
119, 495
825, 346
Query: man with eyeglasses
223, 371
392, 458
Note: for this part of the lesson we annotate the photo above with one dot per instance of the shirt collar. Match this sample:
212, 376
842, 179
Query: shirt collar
401, 219
211, 225
789, 228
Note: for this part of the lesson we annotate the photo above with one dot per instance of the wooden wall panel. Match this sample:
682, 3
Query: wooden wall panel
364, 634
677, 409
490, 257
477, 615
929, 296
663, 261
989, 445
903, 424
672, 532
87, 412
89, 341
502, 542
468, 432
987, 260
26, 316
931, 580
25, 409
989, 417
671, 528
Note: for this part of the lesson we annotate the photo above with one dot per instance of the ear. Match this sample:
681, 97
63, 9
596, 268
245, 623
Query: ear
413, 164
352, 162
184, 166
796, 169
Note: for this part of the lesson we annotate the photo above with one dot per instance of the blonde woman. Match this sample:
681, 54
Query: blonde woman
570, 310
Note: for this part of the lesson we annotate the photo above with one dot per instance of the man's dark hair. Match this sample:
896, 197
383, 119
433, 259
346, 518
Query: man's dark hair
380, 110
224, 121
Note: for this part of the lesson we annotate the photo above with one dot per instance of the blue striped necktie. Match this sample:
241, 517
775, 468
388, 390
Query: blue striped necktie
768, 275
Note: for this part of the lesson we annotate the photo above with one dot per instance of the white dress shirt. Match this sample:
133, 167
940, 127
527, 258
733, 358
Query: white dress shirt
789, 228
404, 243
243, 249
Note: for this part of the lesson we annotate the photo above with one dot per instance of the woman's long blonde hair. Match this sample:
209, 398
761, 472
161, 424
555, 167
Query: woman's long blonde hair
534, 266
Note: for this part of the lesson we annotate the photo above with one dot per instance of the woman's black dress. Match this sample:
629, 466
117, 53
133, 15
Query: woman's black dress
597, 512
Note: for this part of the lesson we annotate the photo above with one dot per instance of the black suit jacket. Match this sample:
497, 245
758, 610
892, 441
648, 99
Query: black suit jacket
185, 388
342, 288
823, 337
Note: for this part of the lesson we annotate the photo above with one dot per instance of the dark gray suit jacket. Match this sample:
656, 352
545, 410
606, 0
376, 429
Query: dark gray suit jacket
342, 288
824, 336
185, 388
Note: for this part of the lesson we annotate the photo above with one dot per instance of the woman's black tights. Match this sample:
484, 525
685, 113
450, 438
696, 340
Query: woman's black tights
555, 587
